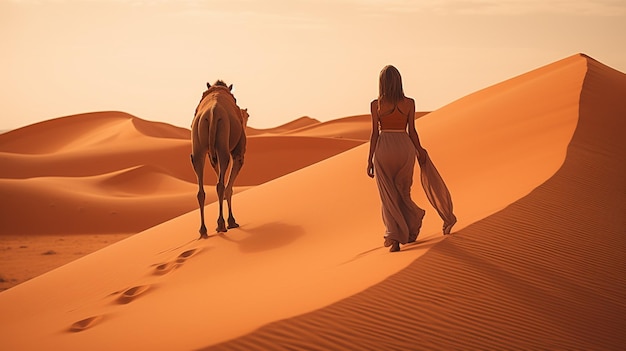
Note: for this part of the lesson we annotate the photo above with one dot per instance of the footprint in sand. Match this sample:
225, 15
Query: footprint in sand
85, 324
186, 255
131, 294
164, 268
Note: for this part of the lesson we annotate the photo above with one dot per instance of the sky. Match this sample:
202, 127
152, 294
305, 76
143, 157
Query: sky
285, 58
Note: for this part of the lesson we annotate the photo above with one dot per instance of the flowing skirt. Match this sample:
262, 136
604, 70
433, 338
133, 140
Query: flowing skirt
394, 160
437, 193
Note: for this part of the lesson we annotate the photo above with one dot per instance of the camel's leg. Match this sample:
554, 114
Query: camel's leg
197, 160
237, 164
223, 158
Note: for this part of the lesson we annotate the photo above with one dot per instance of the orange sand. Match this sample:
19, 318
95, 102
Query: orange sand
535, 166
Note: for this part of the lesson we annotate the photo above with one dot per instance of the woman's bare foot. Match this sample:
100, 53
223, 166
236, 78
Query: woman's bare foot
388, 242
395, 247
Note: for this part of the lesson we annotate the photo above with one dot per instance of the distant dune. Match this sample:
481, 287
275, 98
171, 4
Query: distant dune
535, 166
287, 127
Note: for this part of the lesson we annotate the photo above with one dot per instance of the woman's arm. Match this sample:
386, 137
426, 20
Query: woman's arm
373, 138
421, 152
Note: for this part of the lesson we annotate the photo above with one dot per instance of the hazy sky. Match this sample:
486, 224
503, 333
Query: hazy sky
286, 58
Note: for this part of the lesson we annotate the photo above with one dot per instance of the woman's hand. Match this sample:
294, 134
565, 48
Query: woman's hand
370, 169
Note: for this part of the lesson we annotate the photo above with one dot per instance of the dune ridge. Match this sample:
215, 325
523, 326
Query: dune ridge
53, 135
546, 272
286, 127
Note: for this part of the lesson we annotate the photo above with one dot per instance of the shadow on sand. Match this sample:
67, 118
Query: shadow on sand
267, 236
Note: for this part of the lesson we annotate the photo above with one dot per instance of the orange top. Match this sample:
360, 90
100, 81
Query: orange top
394, 120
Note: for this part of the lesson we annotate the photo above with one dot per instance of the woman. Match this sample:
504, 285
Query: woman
393, 145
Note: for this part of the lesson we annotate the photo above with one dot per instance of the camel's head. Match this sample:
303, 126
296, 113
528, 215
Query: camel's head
219, 83
244, 117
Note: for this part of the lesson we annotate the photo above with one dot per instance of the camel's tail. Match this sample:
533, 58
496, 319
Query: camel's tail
213, 120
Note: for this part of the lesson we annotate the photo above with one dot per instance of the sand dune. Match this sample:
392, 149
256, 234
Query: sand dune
102, 173
546, 272
287, 127
92, 144
354, 127
82, 130
525, 160
276, 156
119, 202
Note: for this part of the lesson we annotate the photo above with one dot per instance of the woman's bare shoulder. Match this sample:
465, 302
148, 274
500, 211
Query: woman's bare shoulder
408, 103
374, 104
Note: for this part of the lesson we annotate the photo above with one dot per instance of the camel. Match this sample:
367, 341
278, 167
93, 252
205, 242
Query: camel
219, 131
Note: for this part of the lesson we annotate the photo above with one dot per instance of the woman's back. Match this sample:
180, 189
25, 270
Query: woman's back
394, 117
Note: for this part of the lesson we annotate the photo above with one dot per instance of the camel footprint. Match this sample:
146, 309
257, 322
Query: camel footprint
85, 324
164, 268
186, 255
131, 294
125, 297
134, 292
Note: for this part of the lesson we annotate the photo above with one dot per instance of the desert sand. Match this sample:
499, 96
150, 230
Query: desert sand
535, 166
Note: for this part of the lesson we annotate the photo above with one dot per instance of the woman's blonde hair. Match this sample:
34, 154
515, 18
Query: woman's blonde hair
390, 86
